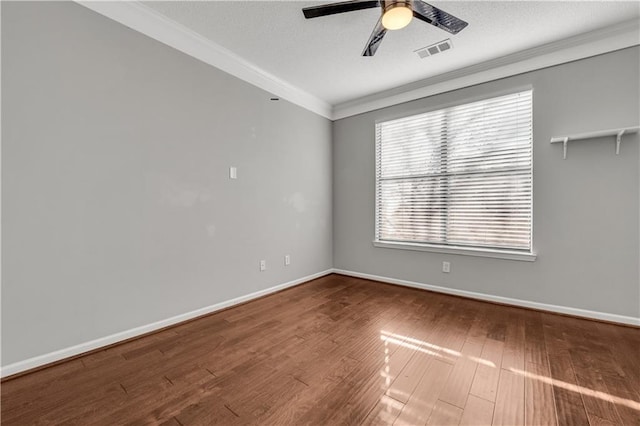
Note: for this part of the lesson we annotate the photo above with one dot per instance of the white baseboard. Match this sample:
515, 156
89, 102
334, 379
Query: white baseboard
499, 299
61, 354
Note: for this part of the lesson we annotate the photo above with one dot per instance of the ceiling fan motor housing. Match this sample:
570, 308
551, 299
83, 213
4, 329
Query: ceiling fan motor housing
390, 4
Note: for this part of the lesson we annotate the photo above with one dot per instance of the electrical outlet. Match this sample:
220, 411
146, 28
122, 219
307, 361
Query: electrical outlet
263, 265
287, 260
446, 267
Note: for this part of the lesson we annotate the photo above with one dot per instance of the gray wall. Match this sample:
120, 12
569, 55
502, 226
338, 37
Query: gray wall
585, 208
117, 206
118, 210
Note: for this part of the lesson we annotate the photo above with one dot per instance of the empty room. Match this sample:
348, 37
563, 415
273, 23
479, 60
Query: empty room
389, 212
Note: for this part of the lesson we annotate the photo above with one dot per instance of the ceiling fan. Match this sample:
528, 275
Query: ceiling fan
396, 14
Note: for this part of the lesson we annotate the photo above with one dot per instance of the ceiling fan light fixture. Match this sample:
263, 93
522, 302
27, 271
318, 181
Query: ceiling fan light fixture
397, 15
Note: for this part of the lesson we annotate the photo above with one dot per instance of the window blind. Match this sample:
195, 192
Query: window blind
459, 176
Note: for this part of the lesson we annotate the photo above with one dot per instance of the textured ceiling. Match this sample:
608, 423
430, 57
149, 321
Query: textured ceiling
322, 56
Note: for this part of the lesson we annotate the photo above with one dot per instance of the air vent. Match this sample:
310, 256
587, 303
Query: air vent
434, 49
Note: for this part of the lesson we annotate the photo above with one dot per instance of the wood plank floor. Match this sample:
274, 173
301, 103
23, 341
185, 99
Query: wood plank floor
342, 350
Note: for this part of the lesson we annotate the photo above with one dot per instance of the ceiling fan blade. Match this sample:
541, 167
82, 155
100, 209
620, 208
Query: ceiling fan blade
341, 7
375, 39
437, 17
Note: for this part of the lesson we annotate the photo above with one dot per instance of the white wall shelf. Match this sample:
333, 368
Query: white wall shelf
618, 133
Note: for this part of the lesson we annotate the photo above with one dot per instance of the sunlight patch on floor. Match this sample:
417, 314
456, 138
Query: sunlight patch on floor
428, 348
580, 389
409, 346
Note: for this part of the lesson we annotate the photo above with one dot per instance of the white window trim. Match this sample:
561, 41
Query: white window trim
465, 251
527, 256
466, 100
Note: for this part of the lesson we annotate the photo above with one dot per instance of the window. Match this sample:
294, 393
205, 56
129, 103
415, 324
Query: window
458, 177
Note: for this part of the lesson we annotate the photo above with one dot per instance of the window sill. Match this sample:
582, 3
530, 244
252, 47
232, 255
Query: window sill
465, 251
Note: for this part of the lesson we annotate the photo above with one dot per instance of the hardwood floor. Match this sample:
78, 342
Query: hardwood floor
342, 350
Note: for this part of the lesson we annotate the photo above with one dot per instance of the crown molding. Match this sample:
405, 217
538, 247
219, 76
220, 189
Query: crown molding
147, 21
623, 35
153, 24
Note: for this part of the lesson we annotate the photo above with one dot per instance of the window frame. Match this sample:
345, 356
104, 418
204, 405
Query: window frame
500, 253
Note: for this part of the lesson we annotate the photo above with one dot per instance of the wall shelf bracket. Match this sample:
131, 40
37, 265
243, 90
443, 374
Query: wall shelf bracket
618, 133
618, 139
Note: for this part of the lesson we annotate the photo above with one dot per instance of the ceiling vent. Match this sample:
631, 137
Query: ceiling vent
434, 49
